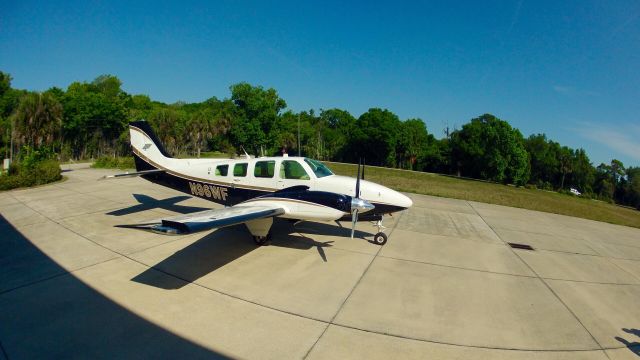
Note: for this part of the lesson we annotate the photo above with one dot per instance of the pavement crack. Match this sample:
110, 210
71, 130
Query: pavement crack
545, 284
331, 322
55, 276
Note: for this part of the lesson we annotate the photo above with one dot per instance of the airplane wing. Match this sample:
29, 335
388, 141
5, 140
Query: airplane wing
210, 219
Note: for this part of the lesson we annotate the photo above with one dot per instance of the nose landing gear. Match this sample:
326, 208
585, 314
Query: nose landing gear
380, 238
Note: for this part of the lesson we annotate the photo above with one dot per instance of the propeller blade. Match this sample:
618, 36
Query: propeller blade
358, 182
357, 206
354, 221
363, 161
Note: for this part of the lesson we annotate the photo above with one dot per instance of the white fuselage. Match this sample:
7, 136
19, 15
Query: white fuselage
222, 180
276, 178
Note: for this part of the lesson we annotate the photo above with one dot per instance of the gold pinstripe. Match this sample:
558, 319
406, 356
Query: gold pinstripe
209, 181
188, 177
291, 200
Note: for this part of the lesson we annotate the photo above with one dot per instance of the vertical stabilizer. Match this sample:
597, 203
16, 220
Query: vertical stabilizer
148, 151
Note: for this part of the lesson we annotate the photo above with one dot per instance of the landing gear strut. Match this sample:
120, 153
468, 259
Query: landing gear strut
380, 238
260, 229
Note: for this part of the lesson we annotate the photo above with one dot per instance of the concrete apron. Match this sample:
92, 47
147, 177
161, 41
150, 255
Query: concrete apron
446, 285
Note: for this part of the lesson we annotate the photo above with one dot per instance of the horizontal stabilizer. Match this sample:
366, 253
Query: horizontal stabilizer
133, 174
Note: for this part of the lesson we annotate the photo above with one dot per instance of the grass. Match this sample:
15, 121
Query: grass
487, 192
465, 189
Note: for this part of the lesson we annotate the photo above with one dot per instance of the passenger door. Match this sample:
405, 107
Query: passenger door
292, 173
264, 175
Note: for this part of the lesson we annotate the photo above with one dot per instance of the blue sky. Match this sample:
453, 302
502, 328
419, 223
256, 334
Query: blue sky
570, 69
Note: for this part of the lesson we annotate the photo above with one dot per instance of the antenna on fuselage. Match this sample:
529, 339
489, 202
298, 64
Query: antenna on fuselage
363, 161
246, 155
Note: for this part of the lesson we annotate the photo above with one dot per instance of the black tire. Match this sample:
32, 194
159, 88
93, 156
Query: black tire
260, 240
380, 239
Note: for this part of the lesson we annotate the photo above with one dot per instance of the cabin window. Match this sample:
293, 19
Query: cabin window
222, 170
240, 169
292, 169
264, 169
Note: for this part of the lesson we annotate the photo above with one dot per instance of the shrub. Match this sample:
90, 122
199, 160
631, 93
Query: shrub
31, 157
36, 173
108, 162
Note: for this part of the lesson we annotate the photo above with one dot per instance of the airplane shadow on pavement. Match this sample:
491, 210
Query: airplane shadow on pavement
221, 247
148, 203
633, 346
319, 228
47, 312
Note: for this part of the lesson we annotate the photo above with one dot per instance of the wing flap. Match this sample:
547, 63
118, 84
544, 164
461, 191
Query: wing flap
210, 219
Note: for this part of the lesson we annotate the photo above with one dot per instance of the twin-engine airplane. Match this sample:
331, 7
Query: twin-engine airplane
254, 191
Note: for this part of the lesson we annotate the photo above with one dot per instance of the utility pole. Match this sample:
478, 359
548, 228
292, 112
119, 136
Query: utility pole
298, 134
11, 147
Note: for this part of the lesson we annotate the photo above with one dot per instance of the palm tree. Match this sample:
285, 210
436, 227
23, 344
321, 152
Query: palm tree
167, 123
199, 129
37, 120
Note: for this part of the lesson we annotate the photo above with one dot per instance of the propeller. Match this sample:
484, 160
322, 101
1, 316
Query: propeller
357, 204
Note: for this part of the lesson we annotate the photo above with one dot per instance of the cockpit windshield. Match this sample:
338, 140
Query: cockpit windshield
320, 169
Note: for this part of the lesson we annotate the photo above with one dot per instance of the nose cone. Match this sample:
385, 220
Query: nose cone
361, 205
404, 201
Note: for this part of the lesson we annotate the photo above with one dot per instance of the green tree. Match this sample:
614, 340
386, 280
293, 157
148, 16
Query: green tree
543, 159
603, 185
5, 83
582, 176
339, 130
490, 148
413, 140
170, 125
200, 129
9, 97
632, 187
139, 107
565, 157
259, 111
617, 170
108, 85
94, 118
436, 156
376, 137
37, 120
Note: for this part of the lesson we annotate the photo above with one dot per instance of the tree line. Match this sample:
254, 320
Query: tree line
89, 120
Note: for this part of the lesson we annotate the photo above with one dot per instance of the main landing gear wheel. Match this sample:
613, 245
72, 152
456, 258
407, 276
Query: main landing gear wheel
380, 238
261, 240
